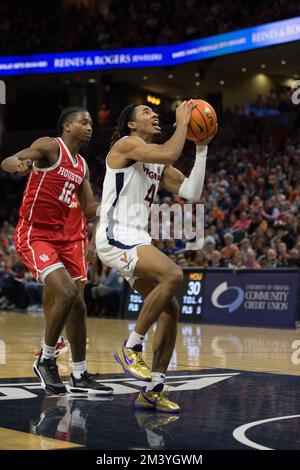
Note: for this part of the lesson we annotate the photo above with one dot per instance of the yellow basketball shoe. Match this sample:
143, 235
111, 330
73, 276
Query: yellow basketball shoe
157, 400
132, 362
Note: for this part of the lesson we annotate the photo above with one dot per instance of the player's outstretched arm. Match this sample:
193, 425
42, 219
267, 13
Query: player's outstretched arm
44, 148
188, 188
135, 148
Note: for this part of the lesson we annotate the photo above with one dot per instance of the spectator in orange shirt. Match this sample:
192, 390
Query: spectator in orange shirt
230, 248
257, 221
218, 213
257, 202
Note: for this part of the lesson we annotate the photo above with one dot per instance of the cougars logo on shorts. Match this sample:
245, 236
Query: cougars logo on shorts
44, 257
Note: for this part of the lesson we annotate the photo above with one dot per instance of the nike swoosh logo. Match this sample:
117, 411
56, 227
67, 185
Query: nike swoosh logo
152, 402
129, 361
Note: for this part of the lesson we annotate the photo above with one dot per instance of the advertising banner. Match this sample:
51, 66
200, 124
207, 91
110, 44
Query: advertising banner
247, 39
253, 298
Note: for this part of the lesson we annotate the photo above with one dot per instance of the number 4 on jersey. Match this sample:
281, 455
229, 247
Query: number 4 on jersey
150, 194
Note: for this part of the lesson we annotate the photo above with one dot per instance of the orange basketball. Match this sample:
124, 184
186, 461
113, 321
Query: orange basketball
203, 122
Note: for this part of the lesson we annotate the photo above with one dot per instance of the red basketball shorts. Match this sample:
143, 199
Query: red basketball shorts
44, 251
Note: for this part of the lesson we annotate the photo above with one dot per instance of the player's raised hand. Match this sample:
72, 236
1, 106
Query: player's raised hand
183, 112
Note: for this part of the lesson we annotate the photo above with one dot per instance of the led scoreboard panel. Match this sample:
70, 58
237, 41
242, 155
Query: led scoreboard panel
189, 296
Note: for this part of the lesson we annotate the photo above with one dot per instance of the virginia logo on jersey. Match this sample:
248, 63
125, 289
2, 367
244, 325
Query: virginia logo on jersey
127, 261
151, 174
124, 257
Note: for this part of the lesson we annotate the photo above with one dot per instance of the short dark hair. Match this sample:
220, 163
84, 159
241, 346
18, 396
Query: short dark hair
122, 128
66, 115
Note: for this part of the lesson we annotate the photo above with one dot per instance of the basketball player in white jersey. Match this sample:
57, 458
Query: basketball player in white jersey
135, 167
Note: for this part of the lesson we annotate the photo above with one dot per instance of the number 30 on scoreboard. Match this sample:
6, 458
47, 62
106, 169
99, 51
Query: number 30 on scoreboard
194, 288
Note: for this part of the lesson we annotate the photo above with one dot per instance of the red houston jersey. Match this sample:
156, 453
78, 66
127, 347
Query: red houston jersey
48, 194
75, 225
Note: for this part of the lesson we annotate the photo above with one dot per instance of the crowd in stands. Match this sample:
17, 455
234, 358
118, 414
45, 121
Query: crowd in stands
252, 201
30, 27
279, 100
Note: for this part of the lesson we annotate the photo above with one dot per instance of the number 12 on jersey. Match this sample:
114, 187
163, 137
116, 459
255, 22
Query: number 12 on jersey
67, 193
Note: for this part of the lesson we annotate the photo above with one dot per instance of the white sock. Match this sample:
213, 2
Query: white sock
78, 369
134, 339
48, 352
156, 379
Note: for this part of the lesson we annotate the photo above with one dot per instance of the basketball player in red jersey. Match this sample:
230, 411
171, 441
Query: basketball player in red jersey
58, 171
76, 229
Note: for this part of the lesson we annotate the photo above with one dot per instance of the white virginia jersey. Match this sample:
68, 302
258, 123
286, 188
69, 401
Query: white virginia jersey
127, 196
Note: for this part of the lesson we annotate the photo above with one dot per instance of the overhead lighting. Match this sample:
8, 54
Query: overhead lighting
171, 76
197, 74
244, 69
283, 62
263, 66
153, 100
261, 79
222, 82
296, 75
92, 80
289, 82
145, 77
197, 83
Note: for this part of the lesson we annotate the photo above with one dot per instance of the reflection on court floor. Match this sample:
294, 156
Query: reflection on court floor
238, 387
221, 409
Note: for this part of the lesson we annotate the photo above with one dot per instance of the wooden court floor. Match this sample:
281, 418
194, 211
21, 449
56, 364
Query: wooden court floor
197, 347
225, 378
